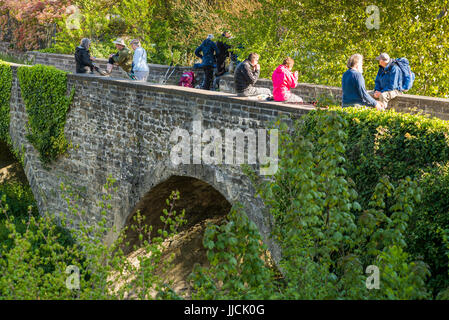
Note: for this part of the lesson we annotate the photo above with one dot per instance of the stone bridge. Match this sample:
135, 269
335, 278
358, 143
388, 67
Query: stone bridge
122, 129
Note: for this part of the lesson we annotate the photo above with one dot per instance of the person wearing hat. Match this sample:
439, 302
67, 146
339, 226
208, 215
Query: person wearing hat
122, 58
388, 81
207, 52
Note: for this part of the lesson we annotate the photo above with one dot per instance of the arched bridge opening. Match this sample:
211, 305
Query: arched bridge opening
202, 203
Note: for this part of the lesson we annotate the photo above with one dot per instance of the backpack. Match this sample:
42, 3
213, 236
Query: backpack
407, 75
187, 79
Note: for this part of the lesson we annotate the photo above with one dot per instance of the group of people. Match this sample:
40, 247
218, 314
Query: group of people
135, 65
247, 73
214, 55
388, 83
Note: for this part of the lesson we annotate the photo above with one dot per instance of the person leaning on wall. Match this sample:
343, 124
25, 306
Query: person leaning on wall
140, 65
123, 58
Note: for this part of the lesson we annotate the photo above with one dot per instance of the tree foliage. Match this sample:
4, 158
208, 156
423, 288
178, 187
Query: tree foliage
30, 23
322, 35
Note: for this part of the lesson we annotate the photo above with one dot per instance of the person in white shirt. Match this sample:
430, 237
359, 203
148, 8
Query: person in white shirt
140, 65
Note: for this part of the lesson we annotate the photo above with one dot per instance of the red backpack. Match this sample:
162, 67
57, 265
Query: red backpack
187, 79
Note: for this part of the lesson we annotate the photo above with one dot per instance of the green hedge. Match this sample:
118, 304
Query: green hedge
5, 95
400, 145
44, 91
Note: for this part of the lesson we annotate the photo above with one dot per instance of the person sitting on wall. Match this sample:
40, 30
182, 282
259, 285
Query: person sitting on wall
283, 80
123, 58
353, 85
388, 80
207, 52
84, 61
140, 64
246, 75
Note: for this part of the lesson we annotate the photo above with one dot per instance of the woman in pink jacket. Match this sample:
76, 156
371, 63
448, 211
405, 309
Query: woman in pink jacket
283, 80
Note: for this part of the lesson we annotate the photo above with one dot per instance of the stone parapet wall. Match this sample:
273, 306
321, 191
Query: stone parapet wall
437, 107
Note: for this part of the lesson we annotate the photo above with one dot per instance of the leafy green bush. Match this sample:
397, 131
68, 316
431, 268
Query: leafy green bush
238, 262
5, 96
425, 235
400, 145
44, 91
327, 237
37, 264
388, 143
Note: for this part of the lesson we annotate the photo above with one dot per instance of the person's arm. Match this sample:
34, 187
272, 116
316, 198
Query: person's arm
227, 52
394, 78
85, 59
115, 57
292, 79
249, 73
198, 51
363, 94
377, 81
122, 57
137, 58
214, 46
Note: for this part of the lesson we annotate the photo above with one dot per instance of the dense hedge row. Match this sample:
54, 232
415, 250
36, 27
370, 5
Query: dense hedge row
5, 95
44, 91
399, 145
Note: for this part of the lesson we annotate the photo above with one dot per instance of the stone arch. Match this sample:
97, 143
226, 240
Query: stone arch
199, 199
229, 183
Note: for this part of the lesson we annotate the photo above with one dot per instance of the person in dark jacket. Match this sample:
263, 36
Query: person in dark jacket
246, 75
224, 53
207, 52
388, 81
353, 84
84, 61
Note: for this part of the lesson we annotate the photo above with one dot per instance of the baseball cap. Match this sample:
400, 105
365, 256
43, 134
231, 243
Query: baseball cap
383, 56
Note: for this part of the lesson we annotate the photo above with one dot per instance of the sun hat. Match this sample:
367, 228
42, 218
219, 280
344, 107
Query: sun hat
119, 41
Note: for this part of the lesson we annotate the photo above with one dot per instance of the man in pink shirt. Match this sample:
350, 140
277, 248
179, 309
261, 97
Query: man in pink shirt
283, 80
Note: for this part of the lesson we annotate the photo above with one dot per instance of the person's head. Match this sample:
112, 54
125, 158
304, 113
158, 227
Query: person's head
253, 58
210, 37
384, 59
135, 44
85, 43
356, 62
119, 44
288, 62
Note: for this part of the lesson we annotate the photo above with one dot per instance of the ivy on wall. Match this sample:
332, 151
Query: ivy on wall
44, 92
5, 95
